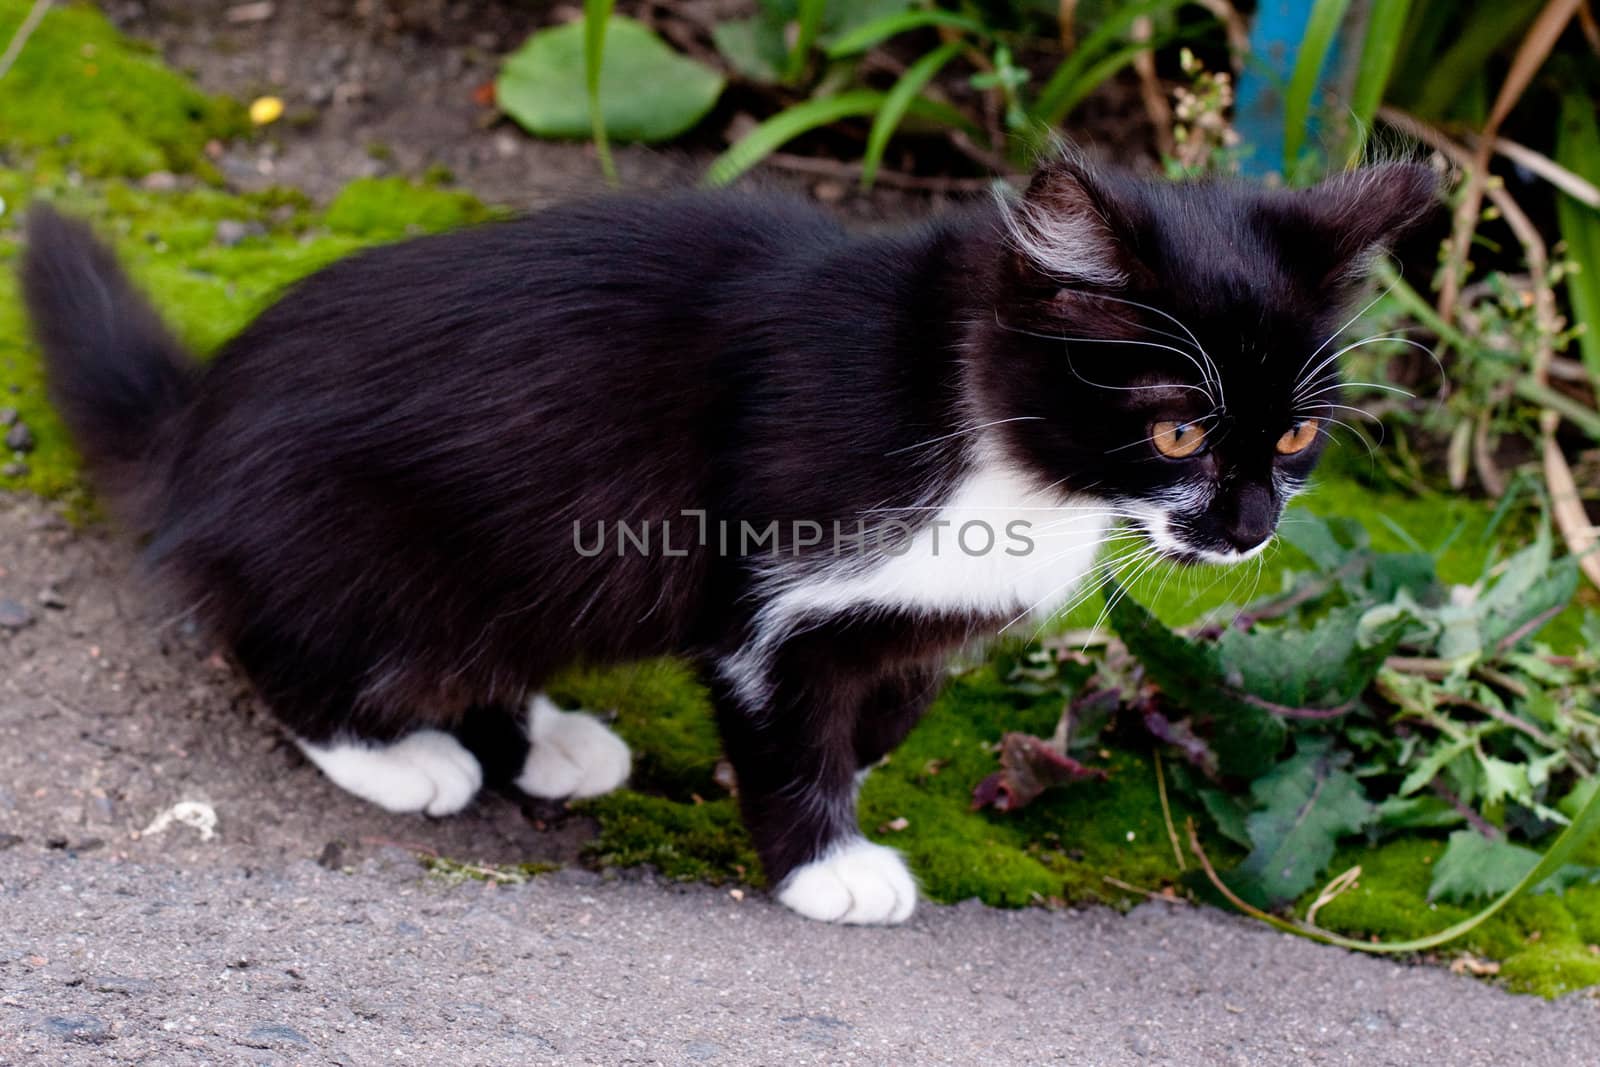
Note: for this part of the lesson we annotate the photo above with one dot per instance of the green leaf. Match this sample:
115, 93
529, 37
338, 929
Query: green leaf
752, 47
1321, 28
1578, 148
1229, 814
1305, 804
1474, 866
788, 124
1529, 586
1415, 813
1436, 761
895, 104
865, 36
1323, 666
1245, 737
1327, 542
646, 91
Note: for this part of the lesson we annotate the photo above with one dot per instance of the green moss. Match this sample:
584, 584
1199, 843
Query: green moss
1552, 971
84, 96
381, 209
691, 842
1542, 941
455, 872
206, 289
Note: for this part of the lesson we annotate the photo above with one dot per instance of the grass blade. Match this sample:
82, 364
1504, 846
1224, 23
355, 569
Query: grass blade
1321, 29
596, 17
897, 101
1067, 84
790, 123
1578, 149
809, 22
878, 30
1386, 23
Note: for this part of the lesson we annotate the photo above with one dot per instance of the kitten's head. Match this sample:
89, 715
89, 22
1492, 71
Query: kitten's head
1172, 348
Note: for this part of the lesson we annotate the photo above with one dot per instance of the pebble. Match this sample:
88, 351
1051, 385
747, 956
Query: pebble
14, 614
231, 231
19, 438
8, 416
275, 1034
160, 181
14, 470
50, 597
82, 1028
9, 841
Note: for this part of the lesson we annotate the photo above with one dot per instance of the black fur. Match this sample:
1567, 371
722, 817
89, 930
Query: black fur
371, 492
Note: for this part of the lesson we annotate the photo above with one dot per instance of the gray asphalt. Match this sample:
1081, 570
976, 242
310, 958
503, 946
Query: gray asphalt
108, 961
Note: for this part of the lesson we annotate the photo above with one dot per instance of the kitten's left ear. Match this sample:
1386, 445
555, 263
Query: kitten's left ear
1334, 230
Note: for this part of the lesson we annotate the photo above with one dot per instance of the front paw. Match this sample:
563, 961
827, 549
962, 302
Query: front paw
570, 754
854, 882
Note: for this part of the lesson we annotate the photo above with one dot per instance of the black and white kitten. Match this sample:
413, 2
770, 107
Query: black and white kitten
718, 426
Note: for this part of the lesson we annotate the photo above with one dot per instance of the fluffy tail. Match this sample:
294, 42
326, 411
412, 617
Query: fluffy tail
114, 372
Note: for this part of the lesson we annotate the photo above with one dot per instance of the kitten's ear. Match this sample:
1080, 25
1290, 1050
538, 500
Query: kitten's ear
1072, 227
1333, 231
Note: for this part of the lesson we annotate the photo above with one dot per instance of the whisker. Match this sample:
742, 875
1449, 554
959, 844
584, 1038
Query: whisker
961, 433
1172, 319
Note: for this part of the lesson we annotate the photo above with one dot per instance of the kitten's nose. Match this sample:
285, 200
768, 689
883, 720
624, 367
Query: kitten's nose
1254, 519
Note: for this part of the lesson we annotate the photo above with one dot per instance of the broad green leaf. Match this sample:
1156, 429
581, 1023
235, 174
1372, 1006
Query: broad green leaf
753, 47
1245, 737
1323, 666
1229, 814
1473, 866
1304, 805
648, 92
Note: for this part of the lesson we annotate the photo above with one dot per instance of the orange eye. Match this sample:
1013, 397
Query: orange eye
1299, 438
1177, 439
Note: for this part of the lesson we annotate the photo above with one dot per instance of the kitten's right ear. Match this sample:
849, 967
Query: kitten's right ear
1070, 227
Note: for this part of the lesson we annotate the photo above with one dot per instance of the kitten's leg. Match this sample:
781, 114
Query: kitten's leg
571, 754
372, 753
798, 740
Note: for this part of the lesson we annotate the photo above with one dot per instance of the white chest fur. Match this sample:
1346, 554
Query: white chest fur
999, 546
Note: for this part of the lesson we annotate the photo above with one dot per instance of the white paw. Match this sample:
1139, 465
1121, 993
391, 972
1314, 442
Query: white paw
856, 882
426, 771
571, 754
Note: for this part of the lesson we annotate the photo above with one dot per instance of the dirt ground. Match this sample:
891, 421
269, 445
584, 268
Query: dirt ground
113, 711
378, 87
